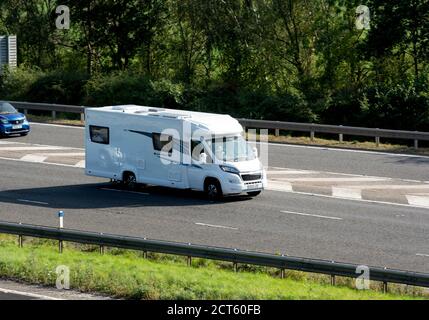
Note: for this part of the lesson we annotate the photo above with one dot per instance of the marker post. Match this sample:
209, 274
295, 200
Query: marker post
60, 242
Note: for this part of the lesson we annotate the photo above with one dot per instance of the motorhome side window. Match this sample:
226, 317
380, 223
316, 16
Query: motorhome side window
99, 134
162, 142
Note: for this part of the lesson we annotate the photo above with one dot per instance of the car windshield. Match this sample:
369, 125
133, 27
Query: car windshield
233, 148
6, 108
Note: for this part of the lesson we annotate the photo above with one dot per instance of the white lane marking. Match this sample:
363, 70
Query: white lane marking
215, 226
351, 175
356, 179
57, 125
350, 199
32, 201
345, 150
48, 163
275, 172
63, 154
279, 186
346, 193
80, 164
33, 158
28, 294
418, 199
388, 186
311, 215
422, 255
125, 191
33, 148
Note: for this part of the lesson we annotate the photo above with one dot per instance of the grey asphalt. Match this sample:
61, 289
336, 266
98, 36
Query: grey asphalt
276, 222
12, 296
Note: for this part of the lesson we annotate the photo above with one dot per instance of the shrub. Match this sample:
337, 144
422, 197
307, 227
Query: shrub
58, 87
15, 84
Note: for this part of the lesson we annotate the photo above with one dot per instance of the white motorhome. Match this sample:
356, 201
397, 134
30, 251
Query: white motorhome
171, 148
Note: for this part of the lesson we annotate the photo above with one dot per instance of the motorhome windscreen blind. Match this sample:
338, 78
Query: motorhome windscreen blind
162, 140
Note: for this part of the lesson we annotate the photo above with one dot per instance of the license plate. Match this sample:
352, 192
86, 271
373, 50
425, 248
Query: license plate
17, 126
254, 186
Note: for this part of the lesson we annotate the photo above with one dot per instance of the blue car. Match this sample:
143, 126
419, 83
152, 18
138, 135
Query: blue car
11, 121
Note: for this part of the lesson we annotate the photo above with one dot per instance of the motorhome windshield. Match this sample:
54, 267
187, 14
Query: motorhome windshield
230, 149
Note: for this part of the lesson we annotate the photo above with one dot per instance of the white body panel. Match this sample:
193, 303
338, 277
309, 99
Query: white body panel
130, 148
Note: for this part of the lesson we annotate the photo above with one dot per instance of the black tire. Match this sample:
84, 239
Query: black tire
213, 189
130, 181
254, 193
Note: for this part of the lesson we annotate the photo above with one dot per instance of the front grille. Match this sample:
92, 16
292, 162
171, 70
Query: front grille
251, 177
16, 121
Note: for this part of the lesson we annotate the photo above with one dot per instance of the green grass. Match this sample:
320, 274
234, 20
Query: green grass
125, 274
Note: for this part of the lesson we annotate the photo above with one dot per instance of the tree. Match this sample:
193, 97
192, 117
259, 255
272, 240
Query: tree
400, 26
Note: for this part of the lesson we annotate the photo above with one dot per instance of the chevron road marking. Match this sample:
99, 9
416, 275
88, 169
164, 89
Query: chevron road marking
418, 199
33, 158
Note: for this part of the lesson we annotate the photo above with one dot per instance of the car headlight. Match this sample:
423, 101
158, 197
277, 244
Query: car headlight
4, 121
229, 169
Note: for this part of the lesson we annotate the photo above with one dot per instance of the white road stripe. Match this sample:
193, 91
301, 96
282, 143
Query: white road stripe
47, 163
28, 294
345, 150
215, 226
63, 154
33, 158
279, 186
347, 193
312, 215
418, 199
355, 192
356, 179
389, 186
56, 125
32, 201
33, 148
80, 164
276, 172
422, 255
394, 204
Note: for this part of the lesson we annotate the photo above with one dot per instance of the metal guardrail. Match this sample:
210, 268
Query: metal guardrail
215, 253
340, 130
53, 108
311, 128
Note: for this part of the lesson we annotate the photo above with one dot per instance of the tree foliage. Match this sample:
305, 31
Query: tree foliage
275, 59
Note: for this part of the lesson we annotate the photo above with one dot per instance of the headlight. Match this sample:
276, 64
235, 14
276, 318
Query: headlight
229, 169
4, 121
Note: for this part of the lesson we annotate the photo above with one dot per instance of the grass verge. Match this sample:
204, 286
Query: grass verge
125, 274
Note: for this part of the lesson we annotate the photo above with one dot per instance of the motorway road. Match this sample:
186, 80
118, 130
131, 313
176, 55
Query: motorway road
277, 222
